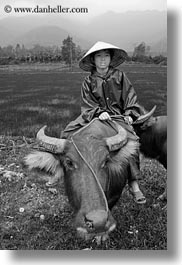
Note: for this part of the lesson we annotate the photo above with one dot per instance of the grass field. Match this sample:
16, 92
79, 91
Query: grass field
35, 217
32, 97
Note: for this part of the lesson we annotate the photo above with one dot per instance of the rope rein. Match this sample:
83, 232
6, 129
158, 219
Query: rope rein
88, 165
86, 162
94, 174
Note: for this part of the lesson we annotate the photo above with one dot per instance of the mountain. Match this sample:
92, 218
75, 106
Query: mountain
21, 25
45, 30
6, 36
126, 30
46, 36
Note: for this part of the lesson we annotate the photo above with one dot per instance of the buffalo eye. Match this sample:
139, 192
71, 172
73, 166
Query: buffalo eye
105, 162
69, 164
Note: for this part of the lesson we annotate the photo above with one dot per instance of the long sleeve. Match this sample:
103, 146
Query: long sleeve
89, 104
130, 103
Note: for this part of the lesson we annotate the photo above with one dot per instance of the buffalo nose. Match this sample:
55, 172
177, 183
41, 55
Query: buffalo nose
96, 219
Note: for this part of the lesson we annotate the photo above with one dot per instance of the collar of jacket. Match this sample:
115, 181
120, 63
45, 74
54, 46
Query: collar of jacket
95, 74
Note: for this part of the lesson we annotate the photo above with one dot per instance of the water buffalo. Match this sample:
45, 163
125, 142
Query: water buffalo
153, 141
94, 163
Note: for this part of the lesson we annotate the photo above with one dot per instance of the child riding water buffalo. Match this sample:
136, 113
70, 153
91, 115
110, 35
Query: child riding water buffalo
107, 92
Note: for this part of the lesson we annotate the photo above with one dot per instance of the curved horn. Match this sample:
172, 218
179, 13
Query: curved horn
145, 117
117, 141
51, 144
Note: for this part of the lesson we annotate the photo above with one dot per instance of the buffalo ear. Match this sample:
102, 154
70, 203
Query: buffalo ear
46, 162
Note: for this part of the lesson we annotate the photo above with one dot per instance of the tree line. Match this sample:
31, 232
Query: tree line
69, 53
141, 53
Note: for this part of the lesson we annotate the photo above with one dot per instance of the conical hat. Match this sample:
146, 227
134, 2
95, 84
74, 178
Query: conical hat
118, 57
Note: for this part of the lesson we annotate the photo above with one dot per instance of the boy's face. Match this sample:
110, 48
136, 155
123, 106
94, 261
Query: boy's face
102, 59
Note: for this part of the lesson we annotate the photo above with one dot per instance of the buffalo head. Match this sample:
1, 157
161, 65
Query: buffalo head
94, 163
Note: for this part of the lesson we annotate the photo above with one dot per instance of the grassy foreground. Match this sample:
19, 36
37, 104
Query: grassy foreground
35, 217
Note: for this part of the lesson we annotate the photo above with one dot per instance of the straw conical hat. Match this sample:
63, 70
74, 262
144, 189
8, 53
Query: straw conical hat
118, 57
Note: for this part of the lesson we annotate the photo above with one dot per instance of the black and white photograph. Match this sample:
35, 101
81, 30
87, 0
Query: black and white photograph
83, 125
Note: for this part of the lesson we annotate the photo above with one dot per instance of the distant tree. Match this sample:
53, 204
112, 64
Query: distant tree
9, 51
79, 52
38, 53
69, 51
160, 60
141, 53
18, 50
139, 50
147, 50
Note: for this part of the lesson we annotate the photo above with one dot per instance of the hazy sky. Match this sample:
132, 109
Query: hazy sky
95, 7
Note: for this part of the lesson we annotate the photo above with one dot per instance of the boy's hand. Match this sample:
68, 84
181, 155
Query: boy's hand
104, 116
128, 119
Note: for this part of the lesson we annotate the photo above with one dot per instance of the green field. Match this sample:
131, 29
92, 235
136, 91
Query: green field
35, 217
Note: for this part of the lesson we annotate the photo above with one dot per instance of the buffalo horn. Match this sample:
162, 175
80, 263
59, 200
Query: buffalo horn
117, 141
51, 144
